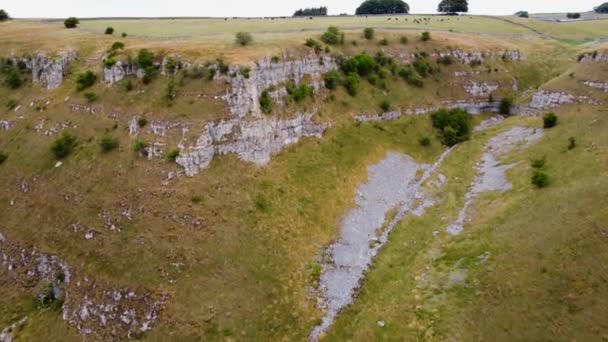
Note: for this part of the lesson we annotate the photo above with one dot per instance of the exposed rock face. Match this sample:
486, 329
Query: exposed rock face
50, 71
468, 57
543, 99
8, 333
597, 85
600, 57
6, 125
491, 173
480, 89
97, 310
243, 97
253, 141
472, 107
120, 70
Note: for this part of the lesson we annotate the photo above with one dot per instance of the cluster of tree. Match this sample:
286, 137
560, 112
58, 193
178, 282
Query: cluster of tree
13, 73
3, 15
71, 22
383, 7
453, 6
603, 8
309, 12
522, 14
573, 15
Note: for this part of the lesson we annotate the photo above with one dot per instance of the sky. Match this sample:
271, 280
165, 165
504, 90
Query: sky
257, 8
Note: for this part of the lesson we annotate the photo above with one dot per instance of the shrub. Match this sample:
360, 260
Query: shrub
298, 93
261, 203
139, 147
445, 60
3, 15
424, 141
108, 143
85, 80
368, 33
124, 35
109, 30
275, 59
411, 76
426, 36
550, 120
332, 79
145, 59
3, 157
540, 179
475, 63
522, 14
13, 79
196, 199
90, 96
11, 104
454, 125
403, 40
505, 106
64, 145
71, 22
362, 64
127, 84
172, 155
313, 43
332, 36
571, 143
170, 92
385, 105
266, 102
538, 163
352, 83
142, 122
422, 67
573, 15
117, 46
383, 42
109, 61
244, 38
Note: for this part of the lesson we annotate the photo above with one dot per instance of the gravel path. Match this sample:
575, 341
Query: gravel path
491, 174
392, 184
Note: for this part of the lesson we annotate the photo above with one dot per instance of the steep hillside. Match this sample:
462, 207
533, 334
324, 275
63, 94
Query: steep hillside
191, 192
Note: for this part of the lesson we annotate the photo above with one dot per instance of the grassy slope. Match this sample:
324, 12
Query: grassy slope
247, 270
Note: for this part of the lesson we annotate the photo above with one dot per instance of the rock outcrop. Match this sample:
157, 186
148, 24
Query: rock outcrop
6, 125
597, 85
120, 70
480, 89
543, 99
472, 107
600, 57
50, 71
252, 140
96, 309
246, 88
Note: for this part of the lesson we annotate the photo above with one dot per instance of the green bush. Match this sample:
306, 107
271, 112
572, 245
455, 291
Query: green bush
196, 199
64, 145
332, 79
571, 143
139, 147
266, 102
352, 83
299, 93
403, 40
13, 79
505, 106
383, 42
142, 122
170, 92
3, 15
108, 143
109, 30
172, 155
538, 163
71, 22
445, 60
424, 141
425, 36
362, 64
3, 157
85, 80
332, 36
117, 46
90, 96
124, 35
411, 76
313, 43
540, 179
550, 120
275, 59
454, 125
127, 84
369, 33
385, 105
244, 38
109, 61
475, 63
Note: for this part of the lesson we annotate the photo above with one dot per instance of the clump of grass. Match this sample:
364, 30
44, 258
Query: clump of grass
315, 272
90, 96
368, 33
550, 120
64, 145
3, 157
571, 143
108, 143
142, 122
538, 163
172, 155
540, 179
385, 105
425, 36
139, 147
261, 203
196, 199
424, 141
383, 42
404, 40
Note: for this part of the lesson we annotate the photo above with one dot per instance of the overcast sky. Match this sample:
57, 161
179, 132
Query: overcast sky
219, 8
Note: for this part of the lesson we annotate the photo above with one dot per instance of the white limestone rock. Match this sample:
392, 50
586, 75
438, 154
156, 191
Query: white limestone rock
480, 89
50, 72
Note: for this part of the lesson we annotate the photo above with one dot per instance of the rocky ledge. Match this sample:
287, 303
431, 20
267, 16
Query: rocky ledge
252, 140
97, 309
47, 71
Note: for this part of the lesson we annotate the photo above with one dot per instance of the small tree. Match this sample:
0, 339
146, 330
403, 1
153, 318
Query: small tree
109, 30
266, 102
454, 125
332, 36
550, 120
368, 33
352, 83
505, 106
124, 35
426, 36
13, 79
453, 6
244, 38
385, 105
382, 7
85, 80
63, 146
522, 14
332, 79
71, 22
540, 179
3, 15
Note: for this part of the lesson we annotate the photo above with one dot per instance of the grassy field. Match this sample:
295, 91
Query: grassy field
246, 272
